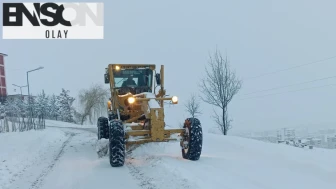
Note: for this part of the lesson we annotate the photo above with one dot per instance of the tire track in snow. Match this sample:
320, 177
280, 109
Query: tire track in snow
153, 163
37, 183
145, 182
138, 172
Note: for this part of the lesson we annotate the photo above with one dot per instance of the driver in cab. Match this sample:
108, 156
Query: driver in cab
129, 82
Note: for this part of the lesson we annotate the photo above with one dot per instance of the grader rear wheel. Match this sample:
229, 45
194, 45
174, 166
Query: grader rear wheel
193, 139
103, 130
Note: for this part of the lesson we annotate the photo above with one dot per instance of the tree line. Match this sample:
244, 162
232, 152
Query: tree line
31, 113
54, 107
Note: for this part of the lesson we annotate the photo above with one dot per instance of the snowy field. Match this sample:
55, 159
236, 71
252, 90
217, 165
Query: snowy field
60, 157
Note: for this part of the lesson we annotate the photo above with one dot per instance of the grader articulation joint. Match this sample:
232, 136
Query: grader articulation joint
136, 113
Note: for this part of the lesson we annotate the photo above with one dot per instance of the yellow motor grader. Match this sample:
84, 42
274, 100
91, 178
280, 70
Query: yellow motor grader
136, 113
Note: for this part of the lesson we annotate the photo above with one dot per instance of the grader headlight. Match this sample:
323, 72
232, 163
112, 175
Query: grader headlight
117, 68
109, 105
131, 100
174, 99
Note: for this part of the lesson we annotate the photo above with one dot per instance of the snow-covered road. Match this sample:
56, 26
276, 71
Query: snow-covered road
66, 158
66, 161
79, 167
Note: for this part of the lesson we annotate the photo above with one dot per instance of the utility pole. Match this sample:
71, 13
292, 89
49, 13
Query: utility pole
29, 98
28, 78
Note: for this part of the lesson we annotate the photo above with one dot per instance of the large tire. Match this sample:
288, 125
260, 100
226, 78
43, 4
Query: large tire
103, 129
194, 139
112, 116
117, 143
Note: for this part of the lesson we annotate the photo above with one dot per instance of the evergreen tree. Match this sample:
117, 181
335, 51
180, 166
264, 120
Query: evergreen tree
53, 108
65, 102
41, 108
41, 104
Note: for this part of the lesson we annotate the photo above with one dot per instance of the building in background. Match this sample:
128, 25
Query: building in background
331, 141
3, 86
317, 142
19, 97
286, 134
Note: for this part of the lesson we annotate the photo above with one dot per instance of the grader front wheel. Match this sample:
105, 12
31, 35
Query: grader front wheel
192, 140
117, 143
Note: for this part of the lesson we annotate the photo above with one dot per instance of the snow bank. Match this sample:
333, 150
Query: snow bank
215, 130
21, 151
234, 162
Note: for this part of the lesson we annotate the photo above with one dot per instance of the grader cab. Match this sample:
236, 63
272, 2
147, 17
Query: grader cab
136, 113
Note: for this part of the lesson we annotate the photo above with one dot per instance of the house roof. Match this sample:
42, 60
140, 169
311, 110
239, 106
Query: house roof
2, 54
19, 95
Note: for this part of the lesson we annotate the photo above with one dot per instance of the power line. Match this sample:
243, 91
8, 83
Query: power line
289, 91
305, 82
290, 68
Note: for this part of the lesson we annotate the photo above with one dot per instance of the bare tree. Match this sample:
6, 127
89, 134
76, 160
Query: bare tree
93, 101
218, 87
193, 106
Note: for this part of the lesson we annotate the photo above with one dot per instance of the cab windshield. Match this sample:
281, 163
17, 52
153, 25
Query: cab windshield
133, 78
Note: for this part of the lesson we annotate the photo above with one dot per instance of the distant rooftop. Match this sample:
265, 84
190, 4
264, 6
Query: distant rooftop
19, 95
2, 54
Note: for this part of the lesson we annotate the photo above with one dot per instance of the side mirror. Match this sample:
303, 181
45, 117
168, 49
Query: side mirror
158, 79
107, 79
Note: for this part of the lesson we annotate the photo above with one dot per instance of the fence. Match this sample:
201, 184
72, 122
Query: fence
14, 124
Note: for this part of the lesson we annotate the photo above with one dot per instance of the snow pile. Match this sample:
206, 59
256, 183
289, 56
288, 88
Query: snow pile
102, 147
152, 103
23, 151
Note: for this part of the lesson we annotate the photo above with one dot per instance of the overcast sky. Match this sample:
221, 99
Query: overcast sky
258, 36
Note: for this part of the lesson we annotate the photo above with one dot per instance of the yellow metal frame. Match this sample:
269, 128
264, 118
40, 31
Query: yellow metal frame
155, 130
